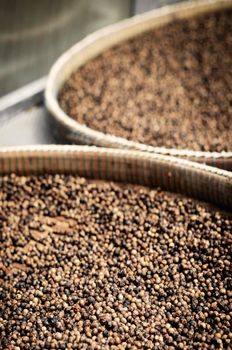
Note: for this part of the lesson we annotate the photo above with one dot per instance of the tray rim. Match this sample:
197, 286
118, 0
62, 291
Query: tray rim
177, 175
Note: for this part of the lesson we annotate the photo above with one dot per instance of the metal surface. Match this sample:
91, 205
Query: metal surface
23, 118
34, 33
29, 127
146, 5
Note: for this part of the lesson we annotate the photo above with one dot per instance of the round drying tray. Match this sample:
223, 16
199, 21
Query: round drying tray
199, 181
69, 130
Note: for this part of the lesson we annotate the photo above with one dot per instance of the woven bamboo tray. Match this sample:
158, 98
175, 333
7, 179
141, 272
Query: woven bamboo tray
176, 175
67, 129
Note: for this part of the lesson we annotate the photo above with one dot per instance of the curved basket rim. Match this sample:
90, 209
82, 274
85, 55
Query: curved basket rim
99, 138
176, 175
42, 150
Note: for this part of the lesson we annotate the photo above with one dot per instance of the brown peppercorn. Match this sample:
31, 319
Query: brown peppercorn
167, 87
104, 281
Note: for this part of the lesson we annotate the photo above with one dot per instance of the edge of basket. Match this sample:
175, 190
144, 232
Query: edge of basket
94, 44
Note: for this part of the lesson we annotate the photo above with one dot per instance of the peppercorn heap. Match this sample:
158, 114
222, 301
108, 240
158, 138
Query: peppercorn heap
168, 87
97, 265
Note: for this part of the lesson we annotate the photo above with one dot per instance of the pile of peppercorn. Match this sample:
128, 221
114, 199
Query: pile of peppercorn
97, 265
170, 87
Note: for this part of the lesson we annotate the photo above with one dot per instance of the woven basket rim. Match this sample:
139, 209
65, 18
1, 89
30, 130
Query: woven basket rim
42, 150
173, 174
73, 58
